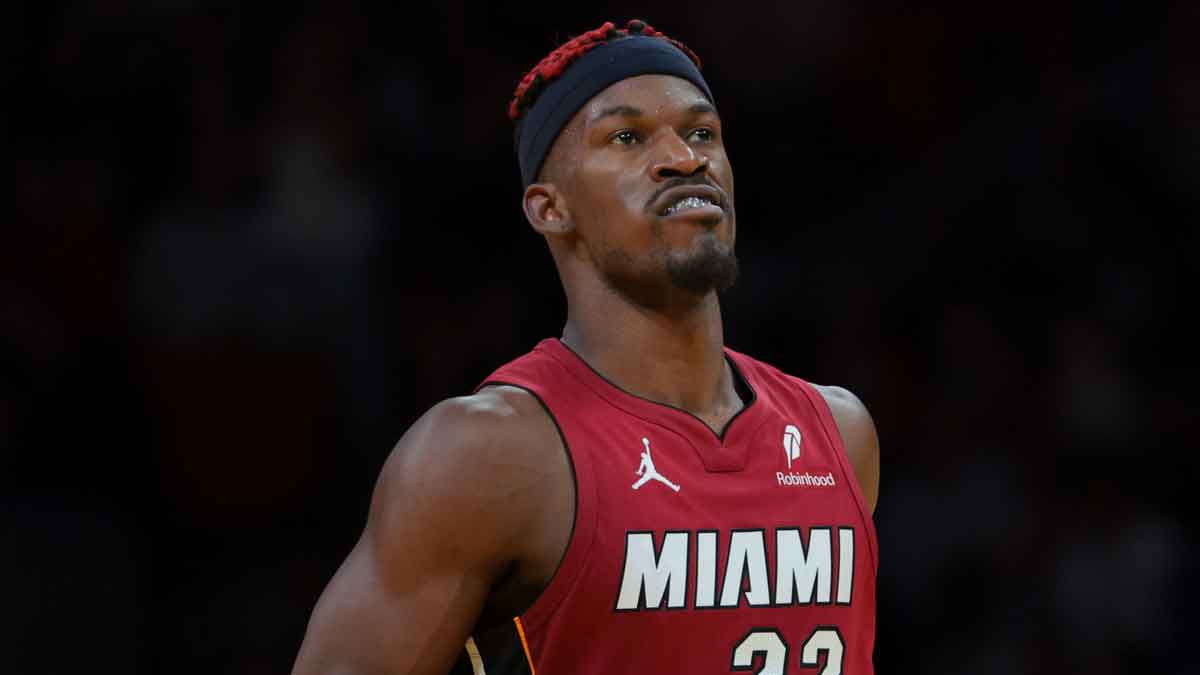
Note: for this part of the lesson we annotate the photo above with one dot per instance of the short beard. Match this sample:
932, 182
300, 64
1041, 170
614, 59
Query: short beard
713, 267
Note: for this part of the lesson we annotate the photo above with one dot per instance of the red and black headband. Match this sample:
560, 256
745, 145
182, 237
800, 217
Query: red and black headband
591, 74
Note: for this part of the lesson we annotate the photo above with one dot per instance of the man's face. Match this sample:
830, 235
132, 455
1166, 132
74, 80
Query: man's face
650, 190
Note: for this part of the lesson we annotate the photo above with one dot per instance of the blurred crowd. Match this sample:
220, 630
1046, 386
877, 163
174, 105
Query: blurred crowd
253, 243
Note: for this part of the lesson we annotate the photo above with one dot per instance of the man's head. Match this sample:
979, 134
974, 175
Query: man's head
623, 157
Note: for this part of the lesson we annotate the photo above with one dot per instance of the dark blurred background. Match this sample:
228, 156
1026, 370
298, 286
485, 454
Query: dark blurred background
252, 243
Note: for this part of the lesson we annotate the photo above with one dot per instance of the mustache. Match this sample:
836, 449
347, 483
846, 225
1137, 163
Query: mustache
677, 181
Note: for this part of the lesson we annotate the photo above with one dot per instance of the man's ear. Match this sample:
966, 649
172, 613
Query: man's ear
546, 209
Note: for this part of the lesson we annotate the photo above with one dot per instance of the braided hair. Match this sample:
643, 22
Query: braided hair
549, 68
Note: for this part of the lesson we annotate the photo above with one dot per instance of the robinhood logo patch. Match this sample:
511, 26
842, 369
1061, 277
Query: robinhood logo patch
792, 438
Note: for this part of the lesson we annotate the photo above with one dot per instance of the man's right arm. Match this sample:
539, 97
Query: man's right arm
450, 500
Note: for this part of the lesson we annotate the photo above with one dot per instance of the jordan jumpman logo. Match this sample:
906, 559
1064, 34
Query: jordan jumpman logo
648, 472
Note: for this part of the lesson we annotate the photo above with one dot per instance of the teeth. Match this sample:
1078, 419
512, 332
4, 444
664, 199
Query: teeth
687, 203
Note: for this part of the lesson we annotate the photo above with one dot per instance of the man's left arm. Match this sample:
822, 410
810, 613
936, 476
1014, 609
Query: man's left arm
858, 435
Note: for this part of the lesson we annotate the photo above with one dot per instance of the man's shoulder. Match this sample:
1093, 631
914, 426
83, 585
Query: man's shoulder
486, 451
473, 434
486, 461
494, 410
842, 402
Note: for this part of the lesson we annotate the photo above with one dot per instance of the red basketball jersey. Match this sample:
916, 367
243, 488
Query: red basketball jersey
695, 552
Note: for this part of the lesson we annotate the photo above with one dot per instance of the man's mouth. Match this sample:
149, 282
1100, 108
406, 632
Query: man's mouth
688, 204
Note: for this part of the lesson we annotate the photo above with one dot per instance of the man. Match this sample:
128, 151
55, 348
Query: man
632, 497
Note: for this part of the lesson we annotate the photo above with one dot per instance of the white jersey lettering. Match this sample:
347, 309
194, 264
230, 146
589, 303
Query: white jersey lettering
654, 576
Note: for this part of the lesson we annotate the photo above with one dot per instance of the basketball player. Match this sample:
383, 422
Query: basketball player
633, 497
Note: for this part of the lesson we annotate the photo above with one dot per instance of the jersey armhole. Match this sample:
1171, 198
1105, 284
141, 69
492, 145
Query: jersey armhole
829, 426
583, 524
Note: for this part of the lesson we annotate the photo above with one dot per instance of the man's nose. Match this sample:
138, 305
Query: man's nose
674, 157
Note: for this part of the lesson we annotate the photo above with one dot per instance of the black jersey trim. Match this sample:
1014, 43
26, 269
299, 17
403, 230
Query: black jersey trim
574, 479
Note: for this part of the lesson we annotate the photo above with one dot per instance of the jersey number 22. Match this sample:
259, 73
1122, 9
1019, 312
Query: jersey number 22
770, 643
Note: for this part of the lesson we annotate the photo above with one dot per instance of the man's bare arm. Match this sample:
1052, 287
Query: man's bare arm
450, 500
859, 436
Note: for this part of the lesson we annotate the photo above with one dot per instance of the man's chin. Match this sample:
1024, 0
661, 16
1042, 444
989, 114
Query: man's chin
713, 266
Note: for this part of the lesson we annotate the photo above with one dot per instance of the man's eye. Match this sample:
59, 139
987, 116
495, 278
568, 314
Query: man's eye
703, 134
625, 137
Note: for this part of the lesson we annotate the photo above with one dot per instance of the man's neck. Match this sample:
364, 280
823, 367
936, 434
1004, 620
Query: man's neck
676, 359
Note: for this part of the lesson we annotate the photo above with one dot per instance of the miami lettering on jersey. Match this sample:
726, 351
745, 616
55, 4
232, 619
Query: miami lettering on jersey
656, 577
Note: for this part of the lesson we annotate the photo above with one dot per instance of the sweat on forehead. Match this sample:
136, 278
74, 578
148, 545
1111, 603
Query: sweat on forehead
568, 79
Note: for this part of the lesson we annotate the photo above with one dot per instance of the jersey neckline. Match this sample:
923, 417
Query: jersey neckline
716, 448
